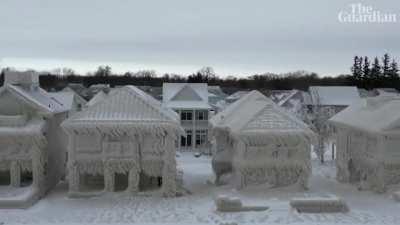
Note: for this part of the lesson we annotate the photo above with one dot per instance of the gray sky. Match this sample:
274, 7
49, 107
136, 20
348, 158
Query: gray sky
234, 37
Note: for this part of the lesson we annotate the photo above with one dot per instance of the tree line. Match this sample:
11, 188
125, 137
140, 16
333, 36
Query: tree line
364, 74
378, 73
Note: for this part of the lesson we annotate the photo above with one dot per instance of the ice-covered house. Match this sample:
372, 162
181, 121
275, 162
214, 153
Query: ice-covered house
124, 142
259, 142
190, 101
32, 155
368, 140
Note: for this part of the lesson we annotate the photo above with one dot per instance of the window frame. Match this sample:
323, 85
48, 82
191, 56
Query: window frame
186, 115
201, 137
203, 114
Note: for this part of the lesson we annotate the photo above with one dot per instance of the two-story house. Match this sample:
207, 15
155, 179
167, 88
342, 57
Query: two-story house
190, 101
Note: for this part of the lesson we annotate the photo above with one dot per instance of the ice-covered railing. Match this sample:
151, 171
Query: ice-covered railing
12, 120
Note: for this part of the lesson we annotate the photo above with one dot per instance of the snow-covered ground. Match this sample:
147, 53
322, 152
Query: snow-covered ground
198, 208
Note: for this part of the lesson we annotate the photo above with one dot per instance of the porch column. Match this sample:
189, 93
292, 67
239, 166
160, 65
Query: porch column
133, 180
39, 165
179, 139
194, 131
169, 187
15, 174
73, 178
109, 180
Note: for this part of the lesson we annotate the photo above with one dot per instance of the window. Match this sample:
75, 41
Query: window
202, 115
187, 141
186, 115
201, 137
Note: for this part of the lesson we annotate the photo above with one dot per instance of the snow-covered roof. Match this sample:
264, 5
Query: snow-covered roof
37, 98
256, 114
287, 97
79, 89
374, 114
25, 86
77, 97
125, 108
185, 95
97, 98
237, 95
65, 98
387, 92
334, 95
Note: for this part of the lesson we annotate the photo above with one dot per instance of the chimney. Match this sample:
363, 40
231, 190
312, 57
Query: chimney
28, 79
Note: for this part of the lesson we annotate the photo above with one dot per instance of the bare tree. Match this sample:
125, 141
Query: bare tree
319, 124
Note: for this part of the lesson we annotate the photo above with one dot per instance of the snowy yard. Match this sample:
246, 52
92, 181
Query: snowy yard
198, 208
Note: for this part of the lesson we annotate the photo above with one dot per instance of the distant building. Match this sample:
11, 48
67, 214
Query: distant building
156, 92
96, 98
79, 89
331, 99
190, 101
235, 96
323, 103
69, 99
292, 101
216, 98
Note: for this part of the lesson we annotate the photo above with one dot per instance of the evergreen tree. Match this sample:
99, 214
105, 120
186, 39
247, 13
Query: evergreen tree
376, 71
360, 68
394, 70
366, 69
386, 65
356, 68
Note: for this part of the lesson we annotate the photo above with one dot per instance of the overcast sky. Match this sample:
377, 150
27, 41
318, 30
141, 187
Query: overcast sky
234, 37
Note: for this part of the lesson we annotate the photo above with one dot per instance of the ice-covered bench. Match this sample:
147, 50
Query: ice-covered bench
229, 204
319, 205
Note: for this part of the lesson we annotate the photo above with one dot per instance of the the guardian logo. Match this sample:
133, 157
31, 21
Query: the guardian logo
359, 13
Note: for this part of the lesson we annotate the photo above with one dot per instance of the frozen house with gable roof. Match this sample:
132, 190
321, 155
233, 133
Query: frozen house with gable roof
368, 140
190, 101
32, 155
123, 142
259, 142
